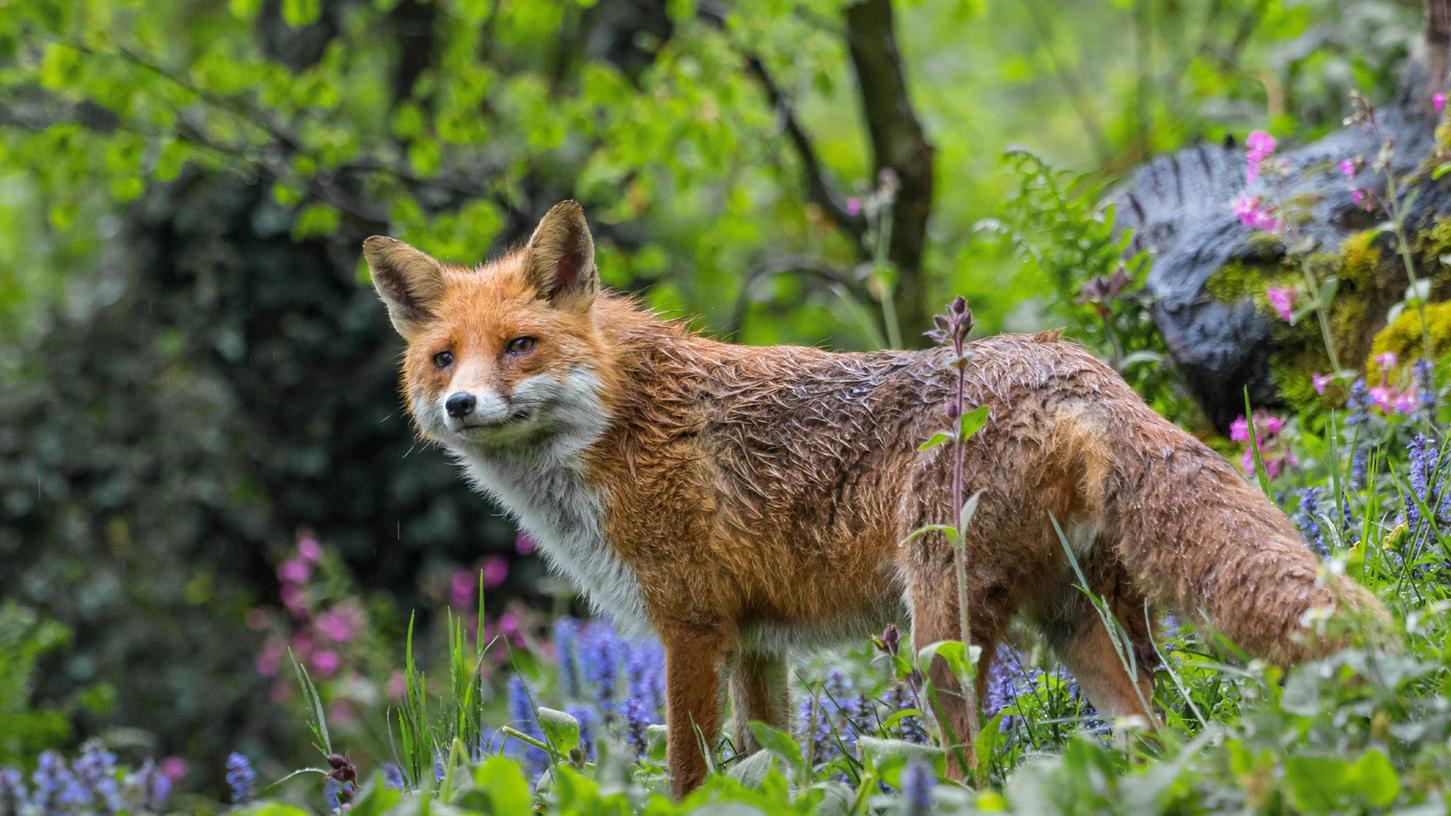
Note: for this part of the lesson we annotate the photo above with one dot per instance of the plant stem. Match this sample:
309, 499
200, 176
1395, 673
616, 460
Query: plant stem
1322, 312
969, 682
1403, 246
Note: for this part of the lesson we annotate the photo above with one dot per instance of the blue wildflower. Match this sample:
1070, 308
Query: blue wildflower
393, 776
96, 768
1421, 480
1307, 518
911, 727
600, 666
637, 725
585, 716
645, 675
521, 710
1425, 377
336, 793
917, 782
566, 637
56, 787
1359, 403
12, 790
147, 789
241, 777
438, 772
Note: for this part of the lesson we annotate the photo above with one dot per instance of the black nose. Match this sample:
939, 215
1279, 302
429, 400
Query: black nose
460, 404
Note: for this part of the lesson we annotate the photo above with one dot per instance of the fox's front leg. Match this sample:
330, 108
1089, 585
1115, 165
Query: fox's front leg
693, 659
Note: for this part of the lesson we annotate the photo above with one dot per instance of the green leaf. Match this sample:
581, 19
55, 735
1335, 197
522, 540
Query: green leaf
315, 219
780, 743
958, 658
937, 439
299, 13
972, 422
888, 756
560, 729
964, 516
503, 780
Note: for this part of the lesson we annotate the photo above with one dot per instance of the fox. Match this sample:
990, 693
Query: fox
748, 503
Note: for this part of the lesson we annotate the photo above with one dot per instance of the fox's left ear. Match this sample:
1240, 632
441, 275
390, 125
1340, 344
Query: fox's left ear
561, 258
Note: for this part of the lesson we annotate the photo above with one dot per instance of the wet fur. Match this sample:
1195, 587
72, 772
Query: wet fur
747, 501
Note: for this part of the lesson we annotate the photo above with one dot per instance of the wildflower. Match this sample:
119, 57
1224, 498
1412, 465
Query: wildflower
1319, 381
56, 788
1438, 101
1425, 377
1307, 518
854, 206
1239, 430
146, 789
1349, 167
917, 782
393, 776
1405, 402
1421, 480
462, 584
495, 569
644, 677
1250, 213
1363, 198
294, 571
1283, 301
891, 639
240, 777
523, 544
295, 600
12, 790
1359, 403
637, 725
96, 768
585, 716
341, 622
336, 794
566, 634
521, 710
1261, 145
1386, 360
309, 549
599, 663
898, 699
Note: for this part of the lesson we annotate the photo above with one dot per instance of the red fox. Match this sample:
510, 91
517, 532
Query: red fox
745, 502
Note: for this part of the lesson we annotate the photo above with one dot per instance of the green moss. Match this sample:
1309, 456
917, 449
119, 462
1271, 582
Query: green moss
1236, 281
1359, 259
1432, 243
1403, 337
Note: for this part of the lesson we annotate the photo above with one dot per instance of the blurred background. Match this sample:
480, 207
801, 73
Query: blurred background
203, 457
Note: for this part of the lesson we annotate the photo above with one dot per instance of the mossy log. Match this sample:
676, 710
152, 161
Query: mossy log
1209, 273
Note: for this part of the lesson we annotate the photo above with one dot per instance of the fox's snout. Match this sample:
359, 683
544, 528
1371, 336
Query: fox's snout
459, 404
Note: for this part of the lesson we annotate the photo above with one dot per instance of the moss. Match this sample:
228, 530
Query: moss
1403, 337
1359, 259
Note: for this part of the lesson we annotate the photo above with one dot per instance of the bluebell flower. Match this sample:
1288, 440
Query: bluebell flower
521, 710
1421, 480
1307, 518
241, 778
1358, 403
336, 793
1425, 377
393, 776
56, 788
917, 782
911, 727
817, 731
12, 790
585, 716
96, 768
147, 788
566, 641
637, 725
438, 772
600, 665
645, 675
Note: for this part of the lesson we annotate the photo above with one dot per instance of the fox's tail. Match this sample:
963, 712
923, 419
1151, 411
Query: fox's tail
1199, 538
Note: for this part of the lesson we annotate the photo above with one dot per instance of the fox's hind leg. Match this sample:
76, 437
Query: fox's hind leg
1114, 671
759, 691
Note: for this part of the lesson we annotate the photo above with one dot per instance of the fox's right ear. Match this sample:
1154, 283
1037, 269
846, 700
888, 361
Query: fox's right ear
409, 281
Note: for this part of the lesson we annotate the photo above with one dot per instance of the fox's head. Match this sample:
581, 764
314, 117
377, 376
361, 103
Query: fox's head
505, 354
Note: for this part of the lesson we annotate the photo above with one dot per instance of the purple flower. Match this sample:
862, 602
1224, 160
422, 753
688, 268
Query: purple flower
240, 777
917, 782
585, 716
637, 724
854, 206
1359, 403
1438, 101
1422, 480
1320, 381
600, 665
12, 790
1252, 214
521, 711
393, 776
1261, 145
1283, 300
1425, 378
1349, 168
566, 636
56, 788
1387, 360
1307, 518
96, 768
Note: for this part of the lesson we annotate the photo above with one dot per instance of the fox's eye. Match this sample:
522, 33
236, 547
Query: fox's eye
520, 345
443, 359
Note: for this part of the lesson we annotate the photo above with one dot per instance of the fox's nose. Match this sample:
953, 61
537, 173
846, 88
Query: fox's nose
460, 404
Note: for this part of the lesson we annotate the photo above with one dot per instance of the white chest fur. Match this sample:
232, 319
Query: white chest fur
545, 490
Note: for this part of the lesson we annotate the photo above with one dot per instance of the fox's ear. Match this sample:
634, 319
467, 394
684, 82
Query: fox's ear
561, 258
409, 281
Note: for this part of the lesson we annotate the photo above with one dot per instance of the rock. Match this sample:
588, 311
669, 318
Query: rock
1208, 272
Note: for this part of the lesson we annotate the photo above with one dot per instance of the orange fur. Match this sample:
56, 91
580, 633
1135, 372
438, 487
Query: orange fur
753, 500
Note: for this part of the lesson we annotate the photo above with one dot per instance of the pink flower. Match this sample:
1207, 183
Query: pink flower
1438, 101
1239, 430
269, 660
1362, 197
1269, 424
309, 549
397, 686
1283, 299
1383, 397
325, 661
1252, 215
294, 571
173, 768
853, 206
1320, 381
1261, 145
1348, 168
341, 711
1386, 360
461, 587
1406, 402
339, 624
295, 600
496, 569
524, 545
